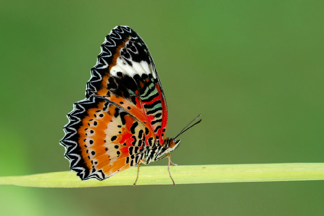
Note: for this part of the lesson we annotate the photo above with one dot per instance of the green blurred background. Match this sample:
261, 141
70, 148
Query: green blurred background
254, 69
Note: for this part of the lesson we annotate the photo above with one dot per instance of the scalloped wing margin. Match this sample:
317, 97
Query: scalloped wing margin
72, 149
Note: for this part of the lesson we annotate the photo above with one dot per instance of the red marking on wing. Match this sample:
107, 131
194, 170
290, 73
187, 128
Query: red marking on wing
150, 118
164, 116
125, 136
153, 100
124, 150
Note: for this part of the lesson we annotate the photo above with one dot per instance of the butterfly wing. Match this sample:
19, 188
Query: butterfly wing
125, 74
103, 139
124, 114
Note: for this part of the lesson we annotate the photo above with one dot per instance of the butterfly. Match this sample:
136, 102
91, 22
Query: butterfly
123, 120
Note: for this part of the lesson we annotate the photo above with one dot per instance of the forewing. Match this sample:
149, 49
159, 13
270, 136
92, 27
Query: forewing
125, 74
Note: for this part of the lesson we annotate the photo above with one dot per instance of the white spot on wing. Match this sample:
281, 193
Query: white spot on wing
137, 68
148, 68
116, 69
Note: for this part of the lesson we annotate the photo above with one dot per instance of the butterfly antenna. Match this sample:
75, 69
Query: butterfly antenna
189, 125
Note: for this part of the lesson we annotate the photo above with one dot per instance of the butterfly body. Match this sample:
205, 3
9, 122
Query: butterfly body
122, 122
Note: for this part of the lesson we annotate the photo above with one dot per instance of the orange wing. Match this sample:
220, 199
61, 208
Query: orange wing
103, 139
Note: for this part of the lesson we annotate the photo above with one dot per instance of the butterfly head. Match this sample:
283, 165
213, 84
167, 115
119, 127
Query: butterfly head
173, 144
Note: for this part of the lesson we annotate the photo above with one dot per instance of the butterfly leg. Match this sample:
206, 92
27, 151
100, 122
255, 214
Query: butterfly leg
138, 168
173, 164
169, 158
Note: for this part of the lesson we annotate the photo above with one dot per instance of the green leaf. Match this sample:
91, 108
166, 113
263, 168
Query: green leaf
197, 174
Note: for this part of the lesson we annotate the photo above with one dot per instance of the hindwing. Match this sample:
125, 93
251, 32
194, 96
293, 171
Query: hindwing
103, 139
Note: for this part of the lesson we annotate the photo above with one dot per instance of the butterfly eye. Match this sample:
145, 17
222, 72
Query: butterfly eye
173, 144
177, 142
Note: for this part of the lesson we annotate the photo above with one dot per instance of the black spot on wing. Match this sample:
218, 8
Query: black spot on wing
140, 142
116, 112
156, 121
122, 117
140, 134
130, 150
157, 128
158, 115
150, 141
132, 129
